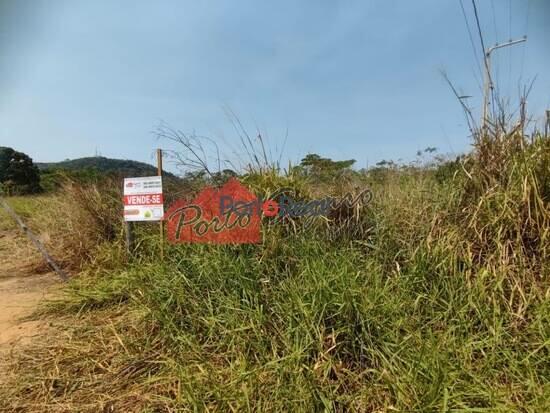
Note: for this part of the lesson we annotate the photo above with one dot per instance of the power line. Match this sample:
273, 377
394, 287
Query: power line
496, 39
476, 56
480, 35
489, 81
509, 50
525, 33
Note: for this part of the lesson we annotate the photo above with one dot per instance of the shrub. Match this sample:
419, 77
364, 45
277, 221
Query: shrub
18, 174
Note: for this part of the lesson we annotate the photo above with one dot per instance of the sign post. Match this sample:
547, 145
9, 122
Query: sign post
161, 223
143, 201
129, 237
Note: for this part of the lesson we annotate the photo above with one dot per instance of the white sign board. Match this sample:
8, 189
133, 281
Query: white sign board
143, 199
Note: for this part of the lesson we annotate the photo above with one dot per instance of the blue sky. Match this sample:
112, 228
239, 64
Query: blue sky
347, 79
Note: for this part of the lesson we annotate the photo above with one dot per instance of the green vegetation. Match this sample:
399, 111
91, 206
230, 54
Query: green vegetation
18, 174
123, 167
433, 298
323, 169
95, 170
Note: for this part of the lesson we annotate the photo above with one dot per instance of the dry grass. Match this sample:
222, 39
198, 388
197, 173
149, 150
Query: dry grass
440, 303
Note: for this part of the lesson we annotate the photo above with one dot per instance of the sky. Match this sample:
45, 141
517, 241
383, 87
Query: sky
344, 79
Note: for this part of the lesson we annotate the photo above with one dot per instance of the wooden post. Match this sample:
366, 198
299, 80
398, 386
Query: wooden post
547, 123
37, 243
129, 238
161, 222
522, 115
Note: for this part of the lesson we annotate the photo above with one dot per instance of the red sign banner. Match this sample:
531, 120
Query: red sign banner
145, 199
202, 220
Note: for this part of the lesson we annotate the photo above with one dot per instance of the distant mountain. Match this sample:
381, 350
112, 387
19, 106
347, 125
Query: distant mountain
123, 167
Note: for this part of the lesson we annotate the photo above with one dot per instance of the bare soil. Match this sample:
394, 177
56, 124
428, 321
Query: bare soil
24, 283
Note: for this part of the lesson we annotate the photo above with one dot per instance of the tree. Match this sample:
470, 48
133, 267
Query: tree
18, 174
319, 167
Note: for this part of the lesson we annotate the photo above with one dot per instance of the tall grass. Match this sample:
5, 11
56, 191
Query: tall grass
440, 303
76, 222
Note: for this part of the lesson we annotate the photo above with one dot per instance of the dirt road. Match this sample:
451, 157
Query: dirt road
24, 283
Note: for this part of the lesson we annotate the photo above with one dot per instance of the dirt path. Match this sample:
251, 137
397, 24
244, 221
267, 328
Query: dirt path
19, 297
24, 283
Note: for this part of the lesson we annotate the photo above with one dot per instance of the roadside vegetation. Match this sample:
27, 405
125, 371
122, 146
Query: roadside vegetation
434, 297
18, 174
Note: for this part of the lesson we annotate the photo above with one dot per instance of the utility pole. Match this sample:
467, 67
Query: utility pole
487, 81
547, 126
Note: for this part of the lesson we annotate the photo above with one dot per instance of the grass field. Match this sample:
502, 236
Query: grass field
434, 298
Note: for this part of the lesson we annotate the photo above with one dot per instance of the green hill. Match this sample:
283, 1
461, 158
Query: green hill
123, 167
